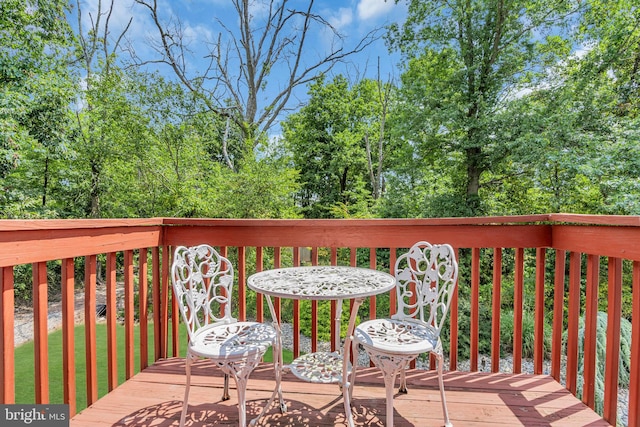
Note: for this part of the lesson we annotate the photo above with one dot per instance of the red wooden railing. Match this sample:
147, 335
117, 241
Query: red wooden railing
604, 241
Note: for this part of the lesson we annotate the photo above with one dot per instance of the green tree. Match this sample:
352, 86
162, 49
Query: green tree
35, 92
466, 59
330, 139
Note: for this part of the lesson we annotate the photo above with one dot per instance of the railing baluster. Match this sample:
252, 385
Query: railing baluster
495, 310
164, 304
90, 328
475, 308
128, 314
143, 286
314, 308
111, 301
7, 356
40, 332
372, 299
277, 264
296, 310
538, 334
334, 304
634, 379
518, 292
68, 338
242, 281
558, 314
453, 316
156, 280
259, 298
614, 311
590, 324
572, 325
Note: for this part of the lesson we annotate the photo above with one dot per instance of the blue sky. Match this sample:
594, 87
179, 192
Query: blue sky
353, 18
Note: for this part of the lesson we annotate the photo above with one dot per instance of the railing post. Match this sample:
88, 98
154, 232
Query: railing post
7, 357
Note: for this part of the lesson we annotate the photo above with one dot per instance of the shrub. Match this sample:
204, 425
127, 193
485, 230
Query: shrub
324, 319
624, 371
528, 334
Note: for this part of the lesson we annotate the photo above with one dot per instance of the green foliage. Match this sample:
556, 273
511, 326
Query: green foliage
324, 319
328, 141
464, 59
624, 367
528, 336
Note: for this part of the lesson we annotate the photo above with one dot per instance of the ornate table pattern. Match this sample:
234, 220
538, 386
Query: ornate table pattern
335, 283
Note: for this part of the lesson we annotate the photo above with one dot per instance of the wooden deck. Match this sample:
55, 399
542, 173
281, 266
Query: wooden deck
154, 398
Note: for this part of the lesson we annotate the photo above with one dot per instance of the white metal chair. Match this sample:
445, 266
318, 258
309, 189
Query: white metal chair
426, 277
202, 284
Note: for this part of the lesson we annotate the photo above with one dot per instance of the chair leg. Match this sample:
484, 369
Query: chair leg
225, 391
240, 372
277, 359
185, 403
241, 387
390, 365
389, 383
403, 381
445, 412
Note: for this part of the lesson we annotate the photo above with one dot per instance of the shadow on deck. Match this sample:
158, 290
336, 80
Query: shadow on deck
154, 398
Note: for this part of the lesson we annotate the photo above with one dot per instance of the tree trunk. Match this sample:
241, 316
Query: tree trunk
474, 170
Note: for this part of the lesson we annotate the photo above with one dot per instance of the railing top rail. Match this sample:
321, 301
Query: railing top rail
63, 224
619, 220
494, 220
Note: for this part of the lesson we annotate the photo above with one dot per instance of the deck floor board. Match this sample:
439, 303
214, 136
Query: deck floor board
153, 397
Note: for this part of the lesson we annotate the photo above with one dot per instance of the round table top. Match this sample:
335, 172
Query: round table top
321, 282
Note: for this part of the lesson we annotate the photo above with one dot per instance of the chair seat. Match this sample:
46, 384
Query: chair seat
396, 336
232, 341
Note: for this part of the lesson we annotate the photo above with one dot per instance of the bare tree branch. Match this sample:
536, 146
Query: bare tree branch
264, 51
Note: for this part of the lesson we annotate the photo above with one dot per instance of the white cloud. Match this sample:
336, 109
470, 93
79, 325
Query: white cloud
341, 19
369, 9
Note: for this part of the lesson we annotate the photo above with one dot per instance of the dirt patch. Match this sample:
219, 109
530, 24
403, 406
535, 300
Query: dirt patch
23, 315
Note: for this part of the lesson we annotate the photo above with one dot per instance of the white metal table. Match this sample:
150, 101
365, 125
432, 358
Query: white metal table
332, 283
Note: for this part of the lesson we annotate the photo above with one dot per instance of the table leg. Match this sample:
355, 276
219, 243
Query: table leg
346, 382
338, 324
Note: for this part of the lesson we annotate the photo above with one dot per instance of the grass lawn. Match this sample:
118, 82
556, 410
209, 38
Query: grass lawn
24, 363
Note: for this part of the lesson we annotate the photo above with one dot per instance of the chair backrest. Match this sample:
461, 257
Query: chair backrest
202, 284
426, 277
